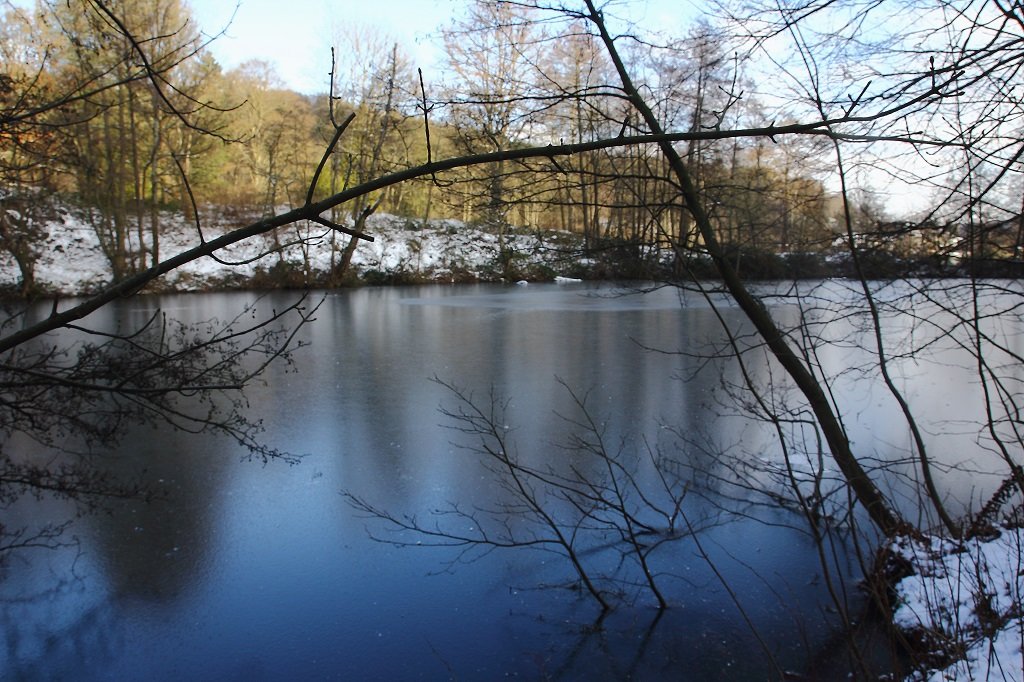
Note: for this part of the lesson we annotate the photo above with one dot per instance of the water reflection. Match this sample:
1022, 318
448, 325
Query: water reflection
156, 551
247, 571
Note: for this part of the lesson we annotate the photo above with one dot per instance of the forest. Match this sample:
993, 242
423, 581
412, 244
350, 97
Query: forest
84, 126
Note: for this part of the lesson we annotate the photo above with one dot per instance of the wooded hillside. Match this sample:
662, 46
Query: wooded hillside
80, 119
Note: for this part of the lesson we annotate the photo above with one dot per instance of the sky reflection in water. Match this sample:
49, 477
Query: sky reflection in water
251, 571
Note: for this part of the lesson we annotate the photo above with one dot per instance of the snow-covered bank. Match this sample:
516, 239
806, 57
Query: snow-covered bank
963, 601
71, 261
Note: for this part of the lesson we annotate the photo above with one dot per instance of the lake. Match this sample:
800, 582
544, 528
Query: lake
245, 570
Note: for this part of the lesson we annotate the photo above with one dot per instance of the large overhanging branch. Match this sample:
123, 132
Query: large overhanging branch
312, 210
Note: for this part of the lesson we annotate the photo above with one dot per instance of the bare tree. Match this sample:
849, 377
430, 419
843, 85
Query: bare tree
377, 84
571, 509
493, 56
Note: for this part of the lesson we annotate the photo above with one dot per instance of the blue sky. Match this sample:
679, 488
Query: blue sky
295, 34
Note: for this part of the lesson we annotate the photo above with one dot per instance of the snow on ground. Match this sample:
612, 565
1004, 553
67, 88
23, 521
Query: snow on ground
71, 261
970, 593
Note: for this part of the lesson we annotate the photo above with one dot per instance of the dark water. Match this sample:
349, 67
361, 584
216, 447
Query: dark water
246, 571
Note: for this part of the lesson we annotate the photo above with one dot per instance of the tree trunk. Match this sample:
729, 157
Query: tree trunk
860, 483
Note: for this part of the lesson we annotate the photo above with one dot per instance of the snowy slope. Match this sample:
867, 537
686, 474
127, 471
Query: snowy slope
70, 260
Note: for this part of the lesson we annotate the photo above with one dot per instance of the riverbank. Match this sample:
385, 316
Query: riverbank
960, 607
70, 260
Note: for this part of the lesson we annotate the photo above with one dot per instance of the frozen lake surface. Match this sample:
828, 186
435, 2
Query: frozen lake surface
240, 570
